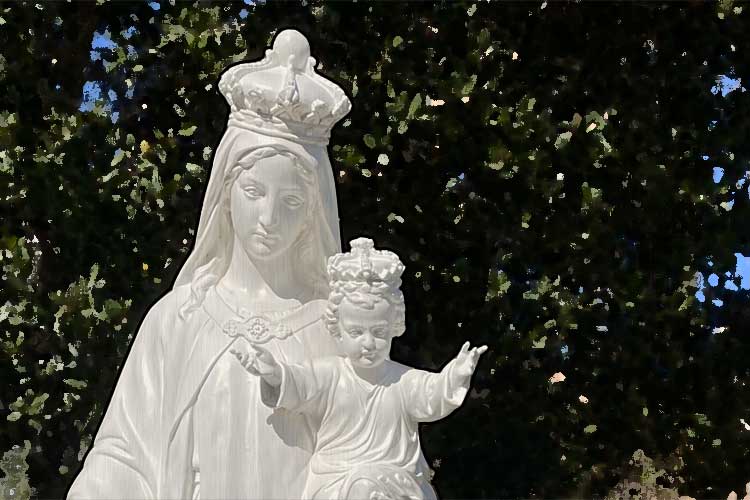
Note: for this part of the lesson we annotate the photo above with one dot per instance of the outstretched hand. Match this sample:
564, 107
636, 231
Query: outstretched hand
467, 359
259, 362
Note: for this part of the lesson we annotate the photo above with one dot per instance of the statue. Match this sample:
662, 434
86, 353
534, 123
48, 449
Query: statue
368, 407
185, 420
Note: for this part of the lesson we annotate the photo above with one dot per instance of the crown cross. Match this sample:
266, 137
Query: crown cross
364, 263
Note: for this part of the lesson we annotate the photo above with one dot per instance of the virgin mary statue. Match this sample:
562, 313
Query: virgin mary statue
185, 419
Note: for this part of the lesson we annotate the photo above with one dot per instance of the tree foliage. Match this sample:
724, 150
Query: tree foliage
549, 172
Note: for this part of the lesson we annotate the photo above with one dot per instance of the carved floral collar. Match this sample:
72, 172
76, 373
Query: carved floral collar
257, 327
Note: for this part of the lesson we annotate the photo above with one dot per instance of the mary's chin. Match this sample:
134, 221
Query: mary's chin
261, 248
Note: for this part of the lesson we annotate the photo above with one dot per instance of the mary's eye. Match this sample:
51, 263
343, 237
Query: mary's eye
253, 192
293, 201
355, 333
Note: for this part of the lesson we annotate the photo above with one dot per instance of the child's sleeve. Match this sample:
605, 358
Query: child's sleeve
432, 396
303, 385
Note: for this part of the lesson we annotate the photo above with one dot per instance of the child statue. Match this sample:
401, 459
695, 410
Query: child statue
368, 407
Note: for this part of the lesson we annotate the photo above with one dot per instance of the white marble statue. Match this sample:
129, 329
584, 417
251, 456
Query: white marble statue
185, 419
367, 406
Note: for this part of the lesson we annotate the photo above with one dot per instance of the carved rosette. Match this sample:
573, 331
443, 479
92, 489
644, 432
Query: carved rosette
256, 329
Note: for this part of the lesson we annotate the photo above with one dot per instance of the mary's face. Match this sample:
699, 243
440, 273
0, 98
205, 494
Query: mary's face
269, 207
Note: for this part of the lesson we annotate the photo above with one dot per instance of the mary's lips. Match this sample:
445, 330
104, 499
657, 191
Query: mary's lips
265, 236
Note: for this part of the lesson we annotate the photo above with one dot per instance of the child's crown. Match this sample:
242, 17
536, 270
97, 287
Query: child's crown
364, 263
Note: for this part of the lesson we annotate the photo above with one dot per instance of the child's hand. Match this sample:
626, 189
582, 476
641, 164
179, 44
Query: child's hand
466, 361
259, 362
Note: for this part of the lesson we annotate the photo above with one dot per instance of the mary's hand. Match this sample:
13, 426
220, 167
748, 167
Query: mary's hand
258, 361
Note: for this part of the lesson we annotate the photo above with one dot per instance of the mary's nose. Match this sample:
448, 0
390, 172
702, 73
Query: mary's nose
269, 216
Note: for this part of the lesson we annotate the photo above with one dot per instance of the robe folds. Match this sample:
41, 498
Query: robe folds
186, 421
368, 430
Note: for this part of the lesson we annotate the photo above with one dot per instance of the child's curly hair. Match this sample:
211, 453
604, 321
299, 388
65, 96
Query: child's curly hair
366, 294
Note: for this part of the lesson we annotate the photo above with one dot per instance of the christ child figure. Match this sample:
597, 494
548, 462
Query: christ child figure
366, 406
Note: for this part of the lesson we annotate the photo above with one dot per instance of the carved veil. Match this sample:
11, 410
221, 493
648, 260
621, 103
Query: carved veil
282, 103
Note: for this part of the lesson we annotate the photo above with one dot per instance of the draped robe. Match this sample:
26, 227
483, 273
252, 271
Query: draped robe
186, 421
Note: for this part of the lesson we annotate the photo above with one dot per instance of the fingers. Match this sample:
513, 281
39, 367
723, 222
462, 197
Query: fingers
464, 348
247, 360
471, 356
260, 350
243, 356
239, 355
263, 355
475, 351
480, 350
252, 371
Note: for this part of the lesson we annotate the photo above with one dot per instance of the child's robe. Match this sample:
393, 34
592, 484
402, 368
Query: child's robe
367, 430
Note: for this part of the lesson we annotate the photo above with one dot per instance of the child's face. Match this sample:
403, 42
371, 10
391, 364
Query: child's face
365, 333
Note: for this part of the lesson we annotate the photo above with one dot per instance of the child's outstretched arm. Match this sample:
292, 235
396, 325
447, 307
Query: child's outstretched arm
292, 386
435, 395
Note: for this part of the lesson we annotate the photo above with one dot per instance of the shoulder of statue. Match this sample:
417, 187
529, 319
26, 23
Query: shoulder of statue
330, 362
396, 366
180, 294
169, 305
404, 372
164, 315
329, 368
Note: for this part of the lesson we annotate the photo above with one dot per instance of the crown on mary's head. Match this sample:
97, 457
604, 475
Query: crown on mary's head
364, 263
282, 95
